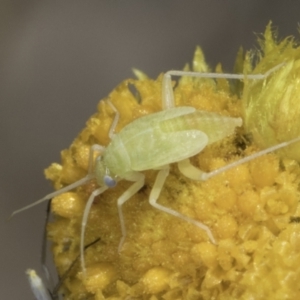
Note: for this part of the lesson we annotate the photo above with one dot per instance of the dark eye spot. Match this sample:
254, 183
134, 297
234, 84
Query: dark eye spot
110, 182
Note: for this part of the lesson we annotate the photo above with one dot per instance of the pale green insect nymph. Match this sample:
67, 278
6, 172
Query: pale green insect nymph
154, 141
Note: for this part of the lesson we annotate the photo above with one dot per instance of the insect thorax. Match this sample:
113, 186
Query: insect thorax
114, 162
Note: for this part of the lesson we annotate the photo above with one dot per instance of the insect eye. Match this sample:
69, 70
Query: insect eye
110, 182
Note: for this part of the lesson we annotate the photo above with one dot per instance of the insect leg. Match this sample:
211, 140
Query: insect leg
167, 89
133, 189
85, 216
112, 128
167, 92
155, 192
94, 148
187, 169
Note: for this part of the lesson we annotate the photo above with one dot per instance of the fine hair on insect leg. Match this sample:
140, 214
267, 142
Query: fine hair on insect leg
153, 142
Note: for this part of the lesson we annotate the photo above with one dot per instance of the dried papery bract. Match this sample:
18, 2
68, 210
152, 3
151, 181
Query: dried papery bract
37, 286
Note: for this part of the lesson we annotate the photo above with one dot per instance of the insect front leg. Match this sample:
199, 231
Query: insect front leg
167, 89
85, 216
155, 192
133, 189
94, 148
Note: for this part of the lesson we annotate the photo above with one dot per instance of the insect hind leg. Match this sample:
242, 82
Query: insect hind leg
155, 192
167, 89
188, 170
94, 148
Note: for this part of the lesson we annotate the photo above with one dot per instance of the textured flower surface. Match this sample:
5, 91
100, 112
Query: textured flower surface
253, 210
272, 106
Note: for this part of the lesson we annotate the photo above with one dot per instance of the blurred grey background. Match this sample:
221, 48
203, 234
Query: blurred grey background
58, 58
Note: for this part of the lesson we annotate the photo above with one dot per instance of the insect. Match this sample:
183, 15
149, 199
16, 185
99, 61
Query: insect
155, 141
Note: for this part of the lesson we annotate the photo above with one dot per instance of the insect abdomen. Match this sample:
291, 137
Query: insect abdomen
215, 126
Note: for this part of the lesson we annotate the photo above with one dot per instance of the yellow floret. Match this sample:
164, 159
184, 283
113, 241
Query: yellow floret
155, 280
